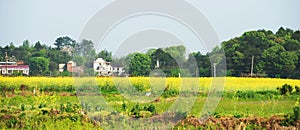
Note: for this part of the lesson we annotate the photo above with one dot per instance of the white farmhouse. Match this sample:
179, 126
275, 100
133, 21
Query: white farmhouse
102, 68
118, 71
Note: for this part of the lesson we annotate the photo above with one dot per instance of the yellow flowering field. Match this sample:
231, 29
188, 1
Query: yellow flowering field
231, 83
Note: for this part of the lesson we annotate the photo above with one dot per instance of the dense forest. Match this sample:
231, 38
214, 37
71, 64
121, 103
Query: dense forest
271, 55
274, 54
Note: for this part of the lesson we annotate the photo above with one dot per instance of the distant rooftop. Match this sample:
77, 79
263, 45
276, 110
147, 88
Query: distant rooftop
15, 66
100, 60
8, 62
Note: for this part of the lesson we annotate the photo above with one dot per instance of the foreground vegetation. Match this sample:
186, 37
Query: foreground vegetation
47, 103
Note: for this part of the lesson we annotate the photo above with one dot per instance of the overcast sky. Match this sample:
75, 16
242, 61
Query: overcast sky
44, 21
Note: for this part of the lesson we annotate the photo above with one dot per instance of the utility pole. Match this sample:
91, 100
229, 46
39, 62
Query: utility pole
215, 71
6, 58
197, 71
157, 65
251, 74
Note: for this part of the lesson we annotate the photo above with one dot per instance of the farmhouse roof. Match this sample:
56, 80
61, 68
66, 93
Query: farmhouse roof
100, 60
15, 66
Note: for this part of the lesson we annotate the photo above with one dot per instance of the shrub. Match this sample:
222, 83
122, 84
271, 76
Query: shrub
136, 110
297, 88
180, 115
12, 122
285, 89
42, 105
145, 114
139, 87
23, 107
98, 108
296, 113
247, 94
124, 106
292, 119
147, 111
151, 108
170, 93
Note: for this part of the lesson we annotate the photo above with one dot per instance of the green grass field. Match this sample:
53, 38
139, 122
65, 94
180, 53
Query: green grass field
50, 109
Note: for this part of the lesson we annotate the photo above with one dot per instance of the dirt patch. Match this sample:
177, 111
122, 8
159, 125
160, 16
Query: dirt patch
240, 123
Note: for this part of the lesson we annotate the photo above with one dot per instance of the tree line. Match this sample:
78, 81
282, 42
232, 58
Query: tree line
262, 52
274, 54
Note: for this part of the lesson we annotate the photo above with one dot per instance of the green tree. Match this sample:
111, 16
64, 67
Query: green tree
292, 45
279, 62
284, 32
297, 71
119, 61
38, 46
167, 63
64, 41
240, 50
57, 56
199, 64
106, 55
165, 59
84, 55
289, 62
39, 65
25, 52
140, 65
177, 52
11, 47
26, 44
1, 55
53, 66
126, 61
296, 35
150, 52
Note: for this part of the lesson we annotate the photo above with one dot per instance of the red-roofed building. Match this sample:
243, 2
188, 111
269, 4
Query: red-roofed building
11, 67
71, 67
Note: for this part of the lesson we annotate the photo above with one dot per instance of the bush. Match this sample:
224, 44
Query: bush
145, 114
247, 94
22, 107
297, 88
124, 106
292, 119
139, 87
136, 110
147, 111
170, 93
296, 113
180, 115
285, 89
12, 122
152, 109
42, 105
